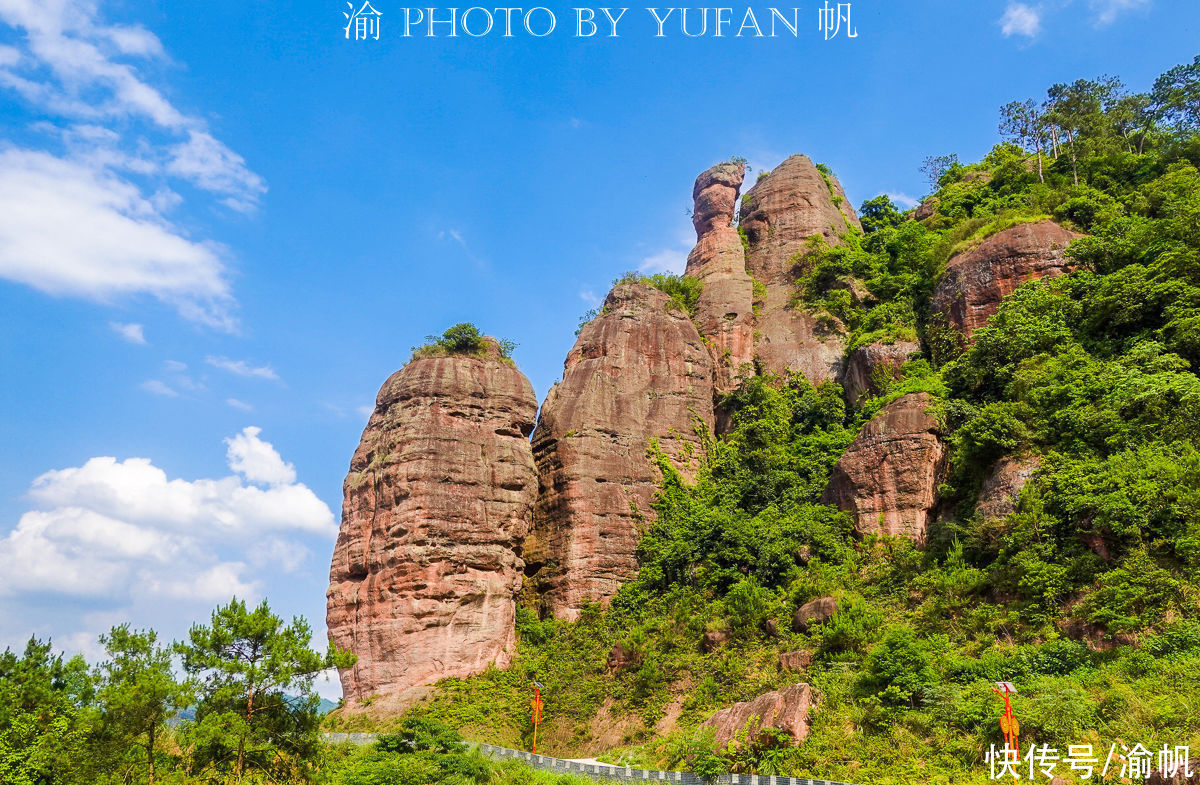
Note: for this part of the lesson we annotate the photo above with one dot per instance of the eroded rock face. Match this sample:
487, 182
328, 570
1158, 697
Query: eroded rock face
791, 204
638, 371
872, 364
785, 709
725, 312
887, 478
976, 281
436, 507
1002, 487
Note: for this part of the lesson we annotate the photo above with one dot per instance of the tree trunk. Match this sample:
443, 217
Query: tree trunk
150, 757
1074, 159
241, 759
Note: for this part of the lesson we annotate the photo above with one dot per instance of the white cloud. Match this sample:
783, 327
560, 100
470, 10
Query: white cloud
77, 70
366, 410
590, 297
668, 260
257, 460
903, 200
157, 387
214, 167
236, 404
134, 333
110, 529
1021, 19
1107, 11
243, 368
116, 245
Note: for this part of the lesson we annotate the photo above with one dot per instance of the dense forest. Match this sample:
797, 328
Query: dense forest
1088, 594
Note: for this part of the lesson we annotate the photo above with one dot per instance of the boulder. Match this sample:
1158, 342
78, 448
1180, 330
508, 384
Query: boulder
1002, 487
436, 507
725, 311
639, 371
714, 639
975, 281
623, 658
1178, 777
888, 477
795, 661
817, 611
870, 366
925, 209
785, 710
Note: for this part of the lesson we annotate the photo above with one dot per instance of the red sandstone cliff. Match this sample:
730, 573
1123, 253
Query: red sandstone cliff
438, 502
638, 371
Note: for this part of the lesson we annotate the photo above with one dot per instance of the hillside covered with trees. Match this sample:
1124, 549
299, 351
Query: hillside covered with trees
1086, 593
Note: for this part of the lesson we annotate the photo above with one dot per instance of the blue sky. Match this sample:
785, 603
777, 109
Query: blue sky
222, 225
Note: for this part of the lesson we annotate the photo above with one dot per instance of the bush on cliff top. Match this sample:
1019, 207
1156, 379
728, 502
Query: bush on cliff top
683, 291
464, 340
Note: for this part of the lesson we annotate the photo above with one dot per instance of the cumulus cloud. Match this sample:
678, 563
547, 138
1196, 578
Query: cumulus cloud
85, 77
236, 404
243, 368
108, 530
257, 460
1021, 19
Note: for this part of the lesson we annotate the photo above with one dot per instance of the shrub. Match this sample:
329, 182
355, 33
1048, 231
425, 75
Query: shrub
463, 339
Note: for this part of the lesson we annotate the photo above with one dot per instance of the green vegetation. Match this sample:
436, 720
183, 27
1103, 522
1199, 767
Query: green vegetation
462, 339
684, 292
418, 752
248, 676
1087, 596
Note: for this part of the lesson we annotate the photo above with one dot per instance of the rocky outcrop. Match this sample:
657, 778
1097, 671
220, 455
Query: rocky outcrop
869, 367
817, 611
926, 209
795, 661
791, 204
1002, 487
622, 657
977, 280
639, 371
887, 478
725, 311
436, 507
785, 710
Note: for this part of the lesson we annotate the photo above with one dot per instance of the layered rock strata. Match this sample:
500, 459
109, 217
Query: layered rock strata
437, 504
639, 371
